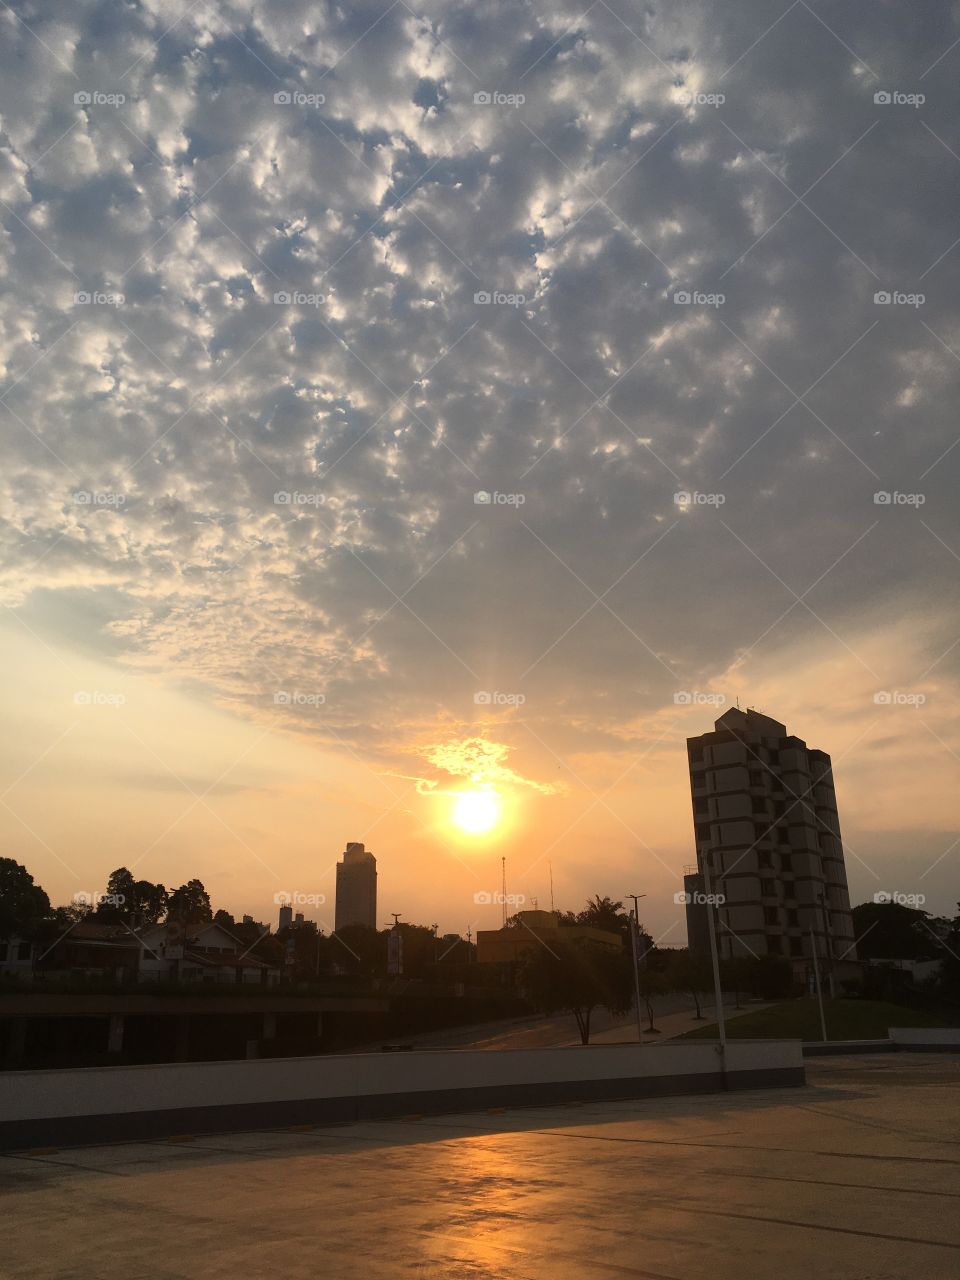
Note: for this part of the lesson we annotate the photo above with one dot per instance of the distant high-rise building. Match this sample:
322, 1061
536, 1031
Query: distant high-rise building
356, 888
286, 917
766, 826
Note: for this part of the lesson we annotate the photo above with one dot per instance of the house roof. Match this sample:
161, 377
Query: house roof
224, 959
90, 932
195, 932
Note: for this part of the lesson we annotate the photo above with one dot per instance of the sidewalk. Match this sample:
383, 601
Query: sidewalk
670, 1025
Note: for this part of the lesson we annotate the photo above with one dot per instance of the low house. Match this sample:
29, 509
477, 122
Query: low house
16, 957
511, 944
92, 950
199, 953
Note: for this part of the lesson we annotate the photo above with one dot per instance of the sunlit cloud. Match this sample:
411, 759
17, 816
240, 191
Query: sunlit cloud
478, 761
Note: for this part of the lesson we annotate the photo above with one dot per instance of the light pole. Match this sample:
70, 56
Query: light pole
634, 929
714, 956
816, 975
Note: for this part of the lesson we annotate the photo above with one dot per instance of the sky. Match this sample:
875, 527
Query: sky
400, 402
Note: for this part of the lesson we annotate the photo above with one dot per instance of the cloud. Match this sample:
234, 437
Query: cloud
480, 761
381, 397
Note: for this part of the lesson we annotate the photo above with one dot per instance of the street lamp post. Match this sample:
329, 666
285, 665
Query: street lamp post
634, 930
714, 956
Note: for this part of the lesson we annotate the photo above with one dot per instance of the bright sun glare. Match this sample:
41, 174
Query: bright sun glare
476, 812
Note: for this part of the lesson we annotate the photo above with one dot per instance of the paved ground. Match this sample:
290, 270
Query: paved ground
675, 1014
856, 1177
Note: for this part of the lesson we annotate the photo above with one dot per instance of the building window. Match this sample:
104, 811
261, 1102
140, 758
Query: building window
768, 888
23, 951
764, 861
703, 831
771, 916
696, 755
786, 863
796, 946
792, 916
759, 805
3, 951
701, 806
774, 947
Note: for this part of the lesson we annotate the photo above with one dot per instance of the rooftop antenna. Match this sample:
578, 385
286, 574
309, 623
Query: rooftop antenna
396, 917
739, 708
550, 865
503, 889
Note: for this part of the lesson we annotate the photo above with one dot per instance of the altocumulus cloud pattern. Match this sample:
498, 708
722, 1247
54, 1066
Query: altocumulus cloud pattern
288, 286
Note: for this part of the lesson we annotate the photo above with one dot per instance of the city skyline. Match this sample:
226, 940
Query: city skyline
317, 903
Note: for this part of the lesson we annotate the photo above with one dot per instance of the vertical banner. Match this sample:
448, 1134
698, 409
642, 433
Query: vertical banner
395, 952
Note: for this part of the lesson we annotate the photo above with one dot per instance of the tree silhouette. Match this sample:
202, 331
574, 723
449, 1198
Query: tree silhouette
23, 904
604, 913
576, 977
689, 972
189, 905
137, 901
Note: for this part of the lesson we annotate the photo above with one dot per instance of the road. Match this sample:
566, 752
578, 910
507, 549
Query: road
545, 1032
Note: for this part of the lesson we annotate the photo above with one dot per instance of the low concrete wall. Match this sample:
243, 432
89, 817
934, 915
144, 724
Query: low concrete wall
827, 1048
915, 1039
108, 1104
935, 1039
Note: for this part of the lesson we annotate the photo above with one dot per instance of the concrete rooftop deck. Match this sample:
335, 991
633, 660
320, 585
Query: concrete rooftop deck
855, 1177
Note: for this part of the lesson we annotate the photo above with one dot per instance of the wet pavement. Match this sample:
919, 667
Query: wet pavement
855, 1177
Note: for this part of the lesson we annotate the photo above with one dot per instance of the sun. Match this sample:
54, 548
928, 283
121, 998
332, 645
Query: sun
476, 812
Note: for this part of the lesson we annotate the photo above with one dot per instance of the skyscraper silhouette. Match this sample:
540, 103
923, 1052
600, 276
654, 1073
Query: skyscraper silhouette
356, 887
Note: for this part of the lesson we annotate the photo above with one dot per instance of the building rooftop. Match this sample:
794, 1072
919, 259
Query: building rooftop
753, 721
355, 852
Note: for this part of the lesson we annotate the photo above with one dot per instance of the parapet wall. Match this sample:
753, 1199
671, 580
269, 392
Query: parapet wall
116, 1104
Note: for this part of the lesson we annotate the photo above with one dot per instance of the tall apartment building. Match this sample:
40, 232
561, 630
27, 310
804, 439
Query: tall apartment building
766, 825
356, 888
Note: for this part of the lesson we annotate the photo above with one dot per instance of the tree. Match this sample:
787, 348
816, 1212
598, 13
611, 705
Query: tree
604, 913
736, 972
690, 972
358, 949
301, 951
576, 977
150, 901
652, 983
129, 901
420, 949
890, 931
23, 904
771, 977
190, 905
